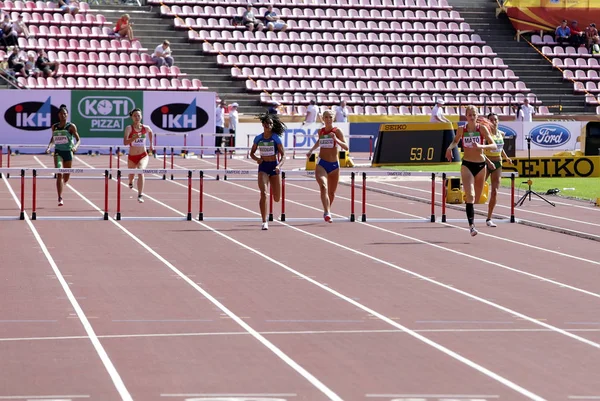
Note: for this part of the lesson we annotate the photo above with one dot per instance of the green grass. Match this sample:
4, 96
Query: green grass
584, 188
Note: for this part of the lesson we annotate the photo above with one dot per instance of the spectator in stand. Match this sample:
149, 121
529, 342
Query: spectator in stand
577, 35
124, 27
312, 112
48, 68
30, 69
274, 108
341, 113
562, 33
233, 123
250, 20
67, 7
220, 124
15, 62
590, 33
437, 113
595, 45
274, 23
9, 34
20, 27
525, 112
162, 54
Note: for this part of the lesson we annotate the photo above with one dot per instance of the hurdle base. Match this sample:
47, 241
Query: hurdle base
105, 216
282, 217
352, 218
189, 217
200, 216
363, 218
22, 216
512, 219
432, 218
270, 216
443, 218
34, 216
118, 217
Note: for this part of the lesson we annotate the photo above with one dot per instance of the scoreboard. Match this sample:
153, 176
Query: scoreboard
413, 143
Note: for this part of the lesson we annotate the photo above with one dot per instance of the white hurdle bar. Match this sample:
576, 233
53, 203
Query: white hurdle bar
34, 215
120, 173
21, 172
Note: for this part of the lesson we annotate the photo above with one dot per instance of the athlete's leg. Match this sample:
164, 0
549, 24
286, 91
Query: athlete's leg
275, 181
58, 163
496, 175
468, 186
332, 183
141, 180
263, 186
130, 165
321, 177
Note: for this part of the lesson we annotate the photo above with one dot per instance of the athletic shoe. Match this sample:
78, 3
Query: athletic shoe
473, 231
141, 199
265, 226
60, 202
327, 218
490, 223
131, 185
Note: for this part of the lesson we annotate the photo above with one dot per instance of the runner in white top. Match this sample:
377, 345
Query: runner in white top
135, 136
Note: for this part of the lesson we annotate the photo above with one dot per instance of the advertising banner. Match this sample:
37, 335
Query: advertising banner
305, 134
550, 135
551, 167
28, 115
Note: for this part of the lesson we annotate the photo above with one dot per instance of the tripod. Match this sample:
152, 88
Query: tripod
529, 182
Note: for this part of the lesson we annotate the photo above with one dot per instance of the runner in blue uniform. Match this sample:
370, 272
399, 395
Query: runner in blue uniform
272, 157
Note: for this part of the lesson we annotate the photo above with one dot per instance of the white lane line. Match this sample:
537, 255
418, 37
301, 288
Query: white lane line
439, 347
108, 365
275, 350
301, 332
584, 397
229, 395
450, 397
43, 397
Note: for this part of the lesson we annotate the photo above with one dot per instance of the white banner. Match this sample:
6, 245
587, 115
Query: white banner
172, 114
305, 134
545, 135
29, 114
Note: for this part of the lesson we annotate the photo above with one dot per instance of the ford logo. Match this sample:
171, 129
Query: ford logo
508, 132
550, 135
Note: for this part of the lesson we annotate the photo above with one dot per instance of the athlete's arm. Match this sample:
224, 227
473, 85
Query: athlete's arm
459, 134
126, 139
341, 140
51, 141
316, 145
253, 151
150, 139
73, 131
490, 144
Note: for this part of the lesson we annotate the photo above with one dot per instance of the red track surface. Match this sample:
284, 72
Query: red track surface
118, 310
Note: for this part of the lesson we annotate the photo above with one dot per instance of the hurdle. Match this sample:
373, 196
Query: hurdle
52, 171
511, 219
164, 172
350, 138
21, 172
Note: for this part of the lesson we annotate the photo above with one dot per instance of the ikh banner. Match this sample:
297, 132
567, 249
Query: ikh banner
547, 167
101, 116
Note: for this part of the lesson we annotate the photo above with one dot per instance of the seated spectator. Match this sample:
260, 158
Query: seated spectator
162, 55
20, 27
563, 32
577, 35
250, 20
67, 7
274, 108
47, 68
9, 35
30, 68
595, 45
124, 27
273, 22
590, 33
15, 63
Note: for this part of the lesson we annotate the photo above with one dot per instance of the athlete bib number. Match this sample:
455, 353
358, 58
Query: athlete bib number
61, 140
326, 142
470, 141
139, 141
267, 150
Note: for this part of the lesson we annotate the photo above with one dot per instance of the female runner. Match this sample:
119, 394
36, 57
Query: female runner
135, 136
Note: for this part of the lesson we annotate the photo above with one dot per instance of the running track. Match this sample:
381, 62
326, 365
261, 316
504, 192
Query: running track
139, 310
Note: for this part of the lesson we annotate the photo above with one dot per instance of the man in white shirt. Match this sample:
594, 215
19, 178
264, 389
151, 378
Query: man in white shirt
220, 123
437, 113
233, 123
162, 55
526, 111
341, 113
312, 112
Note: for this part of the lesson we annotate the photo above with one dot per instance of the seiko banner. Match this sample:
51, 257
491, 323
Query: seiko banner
555, 136
101, 116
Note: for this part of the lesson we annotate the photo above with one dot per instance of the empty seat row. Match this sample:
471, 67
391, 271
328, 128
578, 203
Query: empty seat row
380, 73
111, 83
121, 71
61, 19
392, 4
40, 6
578, 63
107, 58
568, 51
339, 26
81, 45
352, 61
329, 13
581, 75
71, 31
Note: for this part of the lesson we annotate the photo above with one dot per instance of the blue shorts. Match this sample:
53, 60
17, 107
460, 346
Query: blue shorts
329, 166
268, 168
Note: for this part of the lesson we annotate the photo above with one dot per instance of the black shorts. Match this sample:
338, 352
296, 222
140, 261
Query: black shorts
65, 155
474, 167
